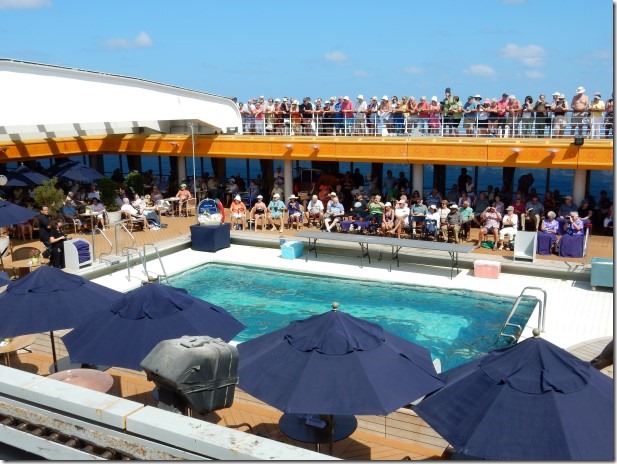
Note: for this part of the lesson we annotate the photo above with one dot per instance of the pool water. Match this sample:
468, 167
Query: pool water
457, 326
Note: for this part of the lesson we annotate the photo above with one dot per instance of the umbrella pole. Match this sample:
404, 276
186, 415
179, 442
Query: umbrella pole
331, 427
53, 350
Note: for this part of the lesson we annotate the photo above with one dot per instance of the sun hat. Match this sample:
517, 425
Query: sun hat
260, 197
332, 194
597, 94
237, 198
510, 208
385, 97
580, 90
388, 204
346, 97
432, 207
360, 97
292, 197
477, 96
277, 99
434, 98
276, 195
512, 97
555, 94
453, 206
487, 101
182, 185
567, 197
562, 96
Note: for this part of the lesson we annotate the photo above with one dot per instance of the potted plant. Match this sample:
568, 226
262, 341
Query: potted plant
109, 192
35, 255
48, 194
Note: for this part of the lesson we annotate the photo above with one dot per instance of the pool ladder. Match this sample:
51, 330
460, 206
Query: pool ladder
541, 313
127, 251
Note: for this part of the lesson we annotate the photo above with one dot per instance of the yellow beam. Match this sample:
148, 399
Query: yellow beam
532, 153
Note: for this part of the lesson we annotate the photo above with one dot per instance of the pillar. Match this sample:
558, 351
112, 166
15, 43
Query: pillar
417, 181
288, 175
181, 160
578, 185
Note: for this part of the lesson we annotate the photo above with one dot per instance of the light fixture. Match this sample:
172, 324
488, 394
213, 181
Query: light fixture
516, 151
553, 151
289, 146
315, 147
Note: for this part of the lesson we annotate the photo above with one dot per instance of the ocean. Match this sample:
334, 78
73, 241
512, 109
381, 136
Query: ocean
561, 179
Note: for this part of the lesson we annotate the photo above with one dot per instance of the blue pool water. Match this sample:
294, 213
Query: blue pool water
456, 326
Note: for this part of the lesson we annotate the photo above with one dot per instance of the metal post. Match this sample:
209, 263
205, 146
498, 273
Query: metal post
190, 123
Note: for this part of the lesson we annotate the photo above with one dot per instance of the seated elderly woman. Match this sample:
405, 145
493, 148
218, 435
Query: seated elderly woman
571, 244
97, 208
258, 213
238, 213
547, 235
128, 208
295, 212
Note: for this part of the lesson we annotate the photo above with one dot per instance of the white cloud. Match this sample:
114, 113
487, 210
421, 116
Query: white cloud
530, 55
534, 74
480, 70
336, 56
360, 73
142, 40
24, 4
413, 70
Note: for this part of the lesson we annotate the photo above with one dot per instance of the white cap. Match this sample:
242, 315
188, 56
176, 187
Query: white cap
580, 90
385, 97
346, 97
237, 198
360, 97
434, 98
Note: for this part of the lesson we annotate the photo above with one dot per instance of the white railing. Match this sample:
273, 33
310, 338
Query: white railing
436, 125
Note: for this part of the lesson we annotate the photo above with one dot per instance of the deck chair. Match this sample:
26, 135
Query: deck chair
70, 223
133, 222
190, 206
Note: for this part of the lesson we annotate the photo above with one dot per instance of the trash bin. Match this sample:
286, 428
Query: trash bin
197, 372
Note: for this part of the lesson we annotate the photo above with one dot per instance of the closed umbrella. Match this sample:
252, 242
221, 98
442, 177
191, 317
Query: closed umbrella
131, 327
530, 401
50, 299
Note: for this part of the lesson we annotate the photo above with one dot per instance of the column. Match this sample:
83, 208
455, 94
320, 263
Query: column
578, 186
417, 181
181, 160
288, 175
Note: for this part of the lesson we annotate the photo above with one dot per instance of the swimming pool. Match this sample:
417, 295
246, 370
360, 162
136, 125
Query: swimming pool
455, 325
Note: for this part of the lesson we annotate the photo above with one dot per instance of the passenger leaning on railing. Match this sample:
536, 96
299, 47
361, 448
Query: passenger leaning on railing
542, 108
608, 119
596, 107
559, 109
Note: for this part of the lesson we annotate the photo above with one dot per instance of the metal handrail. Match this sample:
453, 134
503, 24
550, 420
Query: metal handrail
111, 247
158, 255
125, 251
541, 312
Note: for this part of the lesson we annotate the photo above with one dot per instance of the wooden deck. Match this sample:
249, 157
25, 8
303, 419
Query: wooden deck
263, 419
178, 229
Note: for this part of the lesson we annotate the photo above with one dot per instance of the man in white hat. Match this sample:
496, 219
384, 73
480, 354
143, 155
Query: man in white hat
360, 118
596, 107
348, 115
452, 224
580, 106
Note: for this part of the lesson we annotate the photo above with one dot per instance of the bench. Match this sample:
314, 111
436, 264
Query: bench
395, 243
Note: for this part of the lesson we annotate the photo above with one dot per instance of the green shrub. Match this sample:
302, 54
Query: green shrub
48, 194
135, 183
109, 192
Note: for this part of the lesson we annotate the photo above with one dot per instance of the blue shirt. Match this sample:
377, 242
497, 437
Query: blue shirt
336, 208
470, 107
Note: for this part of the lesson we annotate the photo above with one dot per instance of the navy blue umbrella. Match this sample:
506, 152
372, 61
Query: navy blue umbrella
530, 401
11, 213
50, 299
23, 175
79, 172
4, 279
131, 327
336, 364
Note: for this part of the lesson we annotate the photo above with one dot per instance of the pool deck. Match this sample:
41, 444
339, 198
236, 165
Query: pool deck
577, 318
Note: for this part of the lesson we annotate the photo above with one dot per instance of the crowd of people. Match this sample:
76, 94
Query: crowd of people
451, 115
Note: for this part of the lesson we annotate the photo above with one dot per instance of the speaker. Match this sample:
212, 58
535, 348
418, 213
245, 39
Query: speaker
579, 140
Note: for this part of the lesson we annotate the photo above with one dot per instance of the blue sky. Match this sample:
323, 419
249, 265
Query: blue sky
284, 48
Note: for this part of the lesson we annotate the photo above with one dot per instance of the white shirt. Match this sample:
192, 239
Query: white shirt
513, 219
315, 206
361, 108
